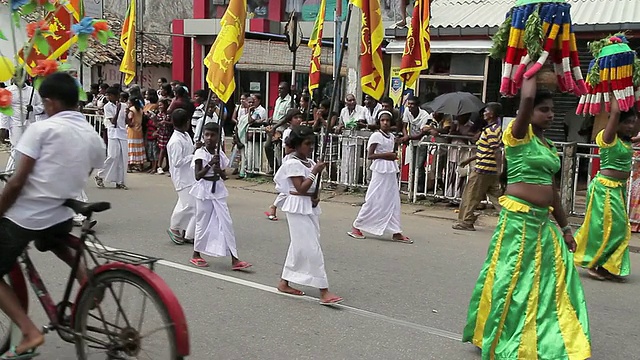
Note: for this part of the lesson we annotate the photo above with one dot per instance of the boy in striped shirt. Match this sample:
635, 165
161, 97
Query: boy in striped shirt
484, 179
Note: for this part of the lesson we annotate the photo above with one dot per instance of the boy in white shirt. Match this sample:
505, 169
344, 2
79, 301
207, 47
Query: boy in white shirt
115, 166
48, 172
180, 150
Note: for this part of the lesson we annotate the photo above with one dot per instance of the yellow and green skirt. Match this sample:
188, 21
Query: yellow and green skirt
603, 238
528, 301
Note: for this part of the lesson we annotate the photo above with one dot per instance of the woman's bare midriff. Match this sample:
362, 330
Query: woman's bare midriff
539, 195
616, 174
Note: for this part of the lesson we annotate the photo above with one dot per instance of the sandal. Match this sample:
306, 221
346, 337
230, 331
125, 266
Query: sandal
403, 239
594, 274
271, 216
464, 227
356, 234
332, 301
13, 355
199, 262
241, 266
175, 238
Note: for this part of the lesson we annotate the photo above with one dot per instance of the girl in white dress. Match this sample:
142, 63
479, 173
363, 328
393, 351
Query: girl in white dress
296, 179
380, 213
214, 228
294, 118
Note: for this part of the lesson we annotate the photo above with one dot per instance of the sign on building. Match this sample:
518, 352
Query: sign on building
94, 8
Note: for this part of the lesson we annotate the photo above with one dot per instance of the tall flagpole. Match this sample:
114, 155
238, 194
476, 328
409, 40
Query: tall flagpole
141, 33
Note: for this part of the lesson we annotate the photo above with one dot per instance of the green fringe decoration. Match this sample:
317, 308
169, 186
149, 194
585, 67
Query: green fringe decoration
594, 75
501, 40
596, 46
636, 72
533, 36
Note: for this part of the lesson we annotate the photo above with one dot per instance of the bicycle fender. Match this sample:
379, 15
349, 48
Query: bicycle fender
165, 293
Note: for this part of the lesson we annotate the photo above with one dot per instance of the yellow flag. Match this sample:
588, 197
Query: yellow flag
226, 51
128, 44
371, 67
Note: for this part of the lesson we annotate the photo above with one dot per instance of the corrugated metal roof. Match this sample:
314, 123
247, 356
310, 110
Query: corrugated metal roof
490, 13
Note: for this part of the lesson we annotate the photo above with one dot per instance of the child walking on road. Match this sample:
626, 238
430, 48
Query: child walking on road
381, 210
180, 151
294, 117
296, 178
214, 227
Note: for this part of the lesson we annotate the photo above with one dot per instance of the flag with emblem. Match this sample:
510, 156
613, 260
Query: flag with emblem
372, 34
315, 43
226, 51
417, 48
128, 44
58, 37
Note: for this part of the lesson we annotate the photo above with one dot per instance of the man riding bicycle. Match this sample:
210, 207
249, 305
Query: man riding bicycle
54, 159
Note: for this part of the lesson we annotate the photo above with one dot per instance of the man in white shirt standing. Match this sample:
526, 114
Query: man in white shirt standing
115, 166
26, 104
273, 146
352, 116
55, 158
180, 149
372, 107
419, 122
257, 119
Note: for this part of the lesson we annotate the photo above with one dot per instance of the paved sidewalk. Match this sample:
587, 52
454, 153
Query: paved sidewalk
486, 220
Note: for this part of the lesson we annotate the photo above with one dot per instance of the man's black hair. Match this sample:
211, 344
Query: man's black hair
104, 86
213, 127
180, 117
113, 91
62, 87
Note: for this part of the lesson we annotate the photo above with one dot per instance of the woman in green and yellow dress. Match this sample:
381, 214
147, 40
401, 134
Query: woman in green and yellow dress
603, 239
528, 302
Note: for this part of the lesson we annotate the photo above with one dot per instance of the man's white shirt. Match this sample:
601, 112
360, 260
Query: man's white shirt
19, 117
180, 150
119, 130
66, 149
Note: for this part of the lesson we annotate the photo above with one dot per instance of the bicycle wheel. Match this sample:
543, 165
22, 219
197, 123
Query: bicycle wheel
112, 327
15, 279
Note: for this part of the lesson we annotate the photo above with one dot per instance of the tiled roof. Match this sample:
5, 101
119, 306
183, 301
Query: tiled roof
490, 13
154, 52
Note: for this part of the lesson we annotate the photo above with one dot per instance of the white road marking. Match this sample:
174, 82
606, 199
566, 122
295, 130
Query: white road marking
271, 289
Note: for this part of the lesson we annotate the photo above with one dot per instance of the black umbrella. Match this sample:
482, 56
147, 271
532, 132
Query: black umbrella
456, 103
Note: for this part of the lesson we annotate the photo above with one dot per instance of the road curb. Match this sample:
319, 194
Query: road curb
634, 249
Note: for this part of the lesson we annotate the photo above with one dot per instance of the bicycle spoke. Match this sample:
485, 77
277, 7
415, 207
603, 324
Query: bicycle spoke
155, 331
144, 303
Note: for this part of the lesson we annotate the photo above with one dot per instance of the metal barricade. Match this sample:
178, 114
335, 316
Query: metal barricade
96, 120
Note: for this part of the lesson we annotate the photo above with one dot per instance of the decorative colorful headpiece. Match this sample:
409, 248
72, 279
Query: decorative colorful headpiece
533, 31
614, 69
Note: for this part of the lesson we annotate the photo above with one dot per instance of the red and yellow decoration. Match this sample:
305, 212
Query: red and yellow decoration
226, 50
614, 69
315, 43
371, 67
5, 102
417, 48
537, 31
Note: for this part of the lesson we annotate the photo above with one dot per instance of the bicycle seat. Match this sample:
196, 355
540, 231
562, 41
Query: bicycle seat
87, 209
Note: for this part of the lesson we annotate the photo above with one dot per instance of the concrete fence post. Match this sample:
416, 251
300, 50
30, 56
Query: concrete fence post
567, 175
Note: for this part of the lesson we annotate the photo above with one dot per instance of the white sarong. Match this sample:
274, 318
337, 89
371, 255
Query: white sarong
305, 262
381, 210
183, 217
115, 166
214, 228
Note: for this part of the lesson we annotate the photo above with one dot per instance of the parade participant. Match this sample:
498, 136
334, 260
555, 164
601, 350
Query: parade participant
603, 238
115, 166
214, 234
528, 302
48, 172
380, 213
135, 136
294, 117
180, 152
297, 178
484, 178
26, 104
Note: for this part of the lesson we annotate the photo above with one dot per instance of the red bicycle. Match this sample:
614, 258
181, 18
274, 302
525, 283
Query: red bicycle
105, 320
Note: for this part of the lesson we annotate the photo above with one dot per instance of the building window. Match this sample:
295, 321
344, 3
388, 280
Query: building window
256, 9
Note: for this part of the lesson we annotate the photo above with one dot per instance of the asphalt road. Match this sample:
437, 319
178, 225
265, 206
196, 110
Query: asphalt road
401, 301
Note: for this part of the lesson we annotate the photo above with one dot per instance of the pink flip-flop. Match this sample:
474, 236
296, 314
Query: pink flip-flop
199, 262
241, 266
270, 216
